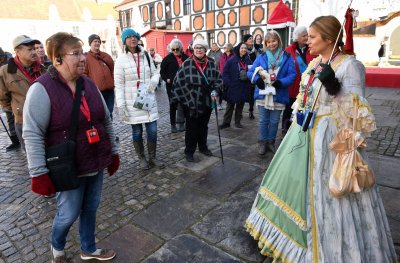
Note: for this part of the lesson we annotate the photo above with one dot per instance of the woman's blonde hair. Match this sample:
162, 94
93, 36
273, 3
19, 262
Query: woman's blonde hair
272, 34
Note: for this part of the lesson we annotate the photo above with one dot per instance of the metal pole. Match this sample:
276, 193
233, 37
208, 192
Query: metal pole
4, 125
219, 134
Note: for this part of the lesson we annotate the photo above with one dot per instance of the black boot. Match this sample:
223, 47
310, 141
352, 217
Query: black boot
270, 145
15, 144
251, 115
262, 147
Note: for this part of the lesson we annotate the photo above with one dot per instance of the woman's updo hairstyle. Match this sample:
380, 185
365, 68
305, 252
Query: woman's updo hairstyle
57, 43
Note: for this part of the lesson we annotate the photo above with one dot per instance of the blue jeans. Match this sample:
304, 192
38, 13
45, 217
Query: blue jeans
83, 203
269, 121
151, 130
109, 97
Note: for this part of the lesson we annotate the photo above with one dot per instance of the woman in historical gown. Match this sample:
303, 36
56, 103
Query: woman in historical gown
294, 216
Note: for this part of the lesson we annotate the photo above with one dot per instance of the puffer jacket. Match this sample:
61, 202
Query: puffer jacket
13, 88
126, 91
286, 74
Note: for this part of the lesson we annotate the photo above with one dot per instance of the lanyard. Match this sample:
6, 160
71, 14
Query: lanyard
242, 65
201, 70
84, 107
276, 61
137, 66
310, 80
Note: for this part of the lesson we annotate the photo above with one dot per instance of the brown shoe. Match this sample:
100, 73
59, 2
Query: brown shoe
105, 254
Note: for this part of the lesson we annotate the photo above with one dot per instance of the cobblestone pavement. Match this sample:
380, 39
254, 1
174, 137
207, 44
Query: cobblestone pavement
147, 215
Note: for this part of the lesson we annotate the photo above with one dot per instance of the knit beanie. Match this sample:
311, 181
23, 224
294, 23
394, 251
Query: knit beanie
200, 42
93, 37
246, 37
128, 33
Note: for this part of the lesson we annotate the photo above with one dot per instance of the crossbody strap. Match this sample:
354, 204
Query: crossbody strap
75, 110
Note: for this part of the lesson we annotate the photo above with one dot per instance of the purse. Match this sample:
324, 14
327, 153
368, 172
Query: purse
60, 158
350, 173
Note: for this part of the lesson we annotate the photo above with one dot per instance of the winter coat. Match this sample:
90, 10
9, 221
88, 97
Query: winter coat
292, 50
13, 88
190, 89
286, 74
222, 61
126, 90
216, 55
236, 90
169, 67
100, 68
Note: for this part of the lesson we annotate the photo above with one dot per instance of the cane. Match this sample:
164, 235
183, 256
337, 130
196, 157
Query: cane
4, 125
219, 134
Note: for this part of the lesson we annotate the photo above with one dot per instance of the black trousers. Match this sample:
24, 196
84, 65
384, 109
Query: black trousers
230, 107
173, 107
196, 131
287, 113
251, 99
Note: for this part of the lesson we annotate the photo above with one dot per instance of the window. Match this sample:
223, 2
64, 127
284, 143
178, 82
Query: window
243, 32
125, 18
211, 38
210, 5
186, 7
244, 2
75, 30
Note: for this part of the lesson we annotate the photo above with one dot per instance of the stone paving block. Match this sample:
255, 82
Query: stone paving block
223, 227
250, 190
386, 170
131, 244
390, 198
222, 180
172, 215
187, 248
201, 162
248, 155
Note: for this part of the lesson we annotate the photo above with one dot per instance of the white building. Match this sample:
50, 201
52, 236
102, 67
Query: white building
41, 19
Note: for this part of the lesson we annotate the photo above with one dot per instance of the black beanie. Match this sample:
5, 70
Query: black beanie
246, 37
93, 37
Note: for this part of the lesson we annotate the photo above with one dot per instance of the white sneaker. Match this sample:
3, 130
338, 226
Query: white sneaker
219, 107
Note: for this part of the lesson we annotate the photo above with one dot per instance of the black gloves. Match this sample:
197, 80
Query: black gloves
277, 84
328, 79
260, 83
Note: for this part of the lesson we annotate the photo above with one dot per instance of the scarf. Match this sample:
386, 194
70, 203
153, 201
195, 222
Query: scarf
272, 58
202, 60
32, 73
179, 60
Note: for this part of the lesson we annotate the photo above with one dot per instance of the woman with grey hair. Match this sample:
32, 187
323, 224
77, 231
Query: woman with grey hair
301, 57
169, 66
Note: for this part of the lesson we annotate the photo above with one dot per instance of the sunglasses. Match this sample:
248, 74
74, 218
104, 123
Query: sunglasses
175, 49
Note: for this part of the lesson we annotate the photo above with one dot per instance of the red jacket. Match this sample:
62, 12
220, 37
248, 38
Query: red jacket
100, 68
223, 59
295, 87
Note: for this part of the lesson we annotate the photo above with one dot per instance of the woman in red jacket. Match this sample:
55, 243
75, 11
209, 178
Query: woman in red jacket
301, 56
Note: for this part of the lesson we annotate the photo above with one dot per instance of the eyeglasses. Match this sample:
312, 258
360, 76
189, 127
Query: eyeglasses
76, 53
142, 45
175, 49
200, 48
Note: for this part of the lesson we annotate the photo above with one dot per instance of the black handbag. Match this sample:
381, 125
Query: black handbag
60, 158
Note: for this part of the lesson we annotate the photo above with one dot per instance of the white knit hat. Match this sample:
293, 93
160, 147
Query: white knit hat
200, 42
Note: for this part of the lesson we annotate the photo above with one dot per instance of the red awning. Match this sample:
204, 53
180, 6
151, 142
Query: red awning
281, 17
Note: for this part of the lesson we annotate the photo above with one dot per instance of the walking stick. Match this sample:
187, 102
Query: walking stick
219, 134
4, 125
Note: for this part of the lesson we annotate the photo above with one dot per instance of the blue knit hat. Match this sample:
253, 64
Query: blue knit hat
128, 32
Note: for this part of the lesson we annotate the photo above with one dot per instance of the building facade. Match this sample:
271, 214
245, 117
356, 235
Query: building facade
217, 21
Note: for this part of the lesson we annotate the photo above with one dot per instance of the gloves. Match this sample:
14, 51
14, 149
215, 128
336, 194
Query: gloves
43, 185
277, 84
328, 79
114, 165
260, 83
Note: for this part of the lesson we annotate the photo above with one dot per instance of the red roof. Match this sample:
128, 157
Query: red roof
281, 17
